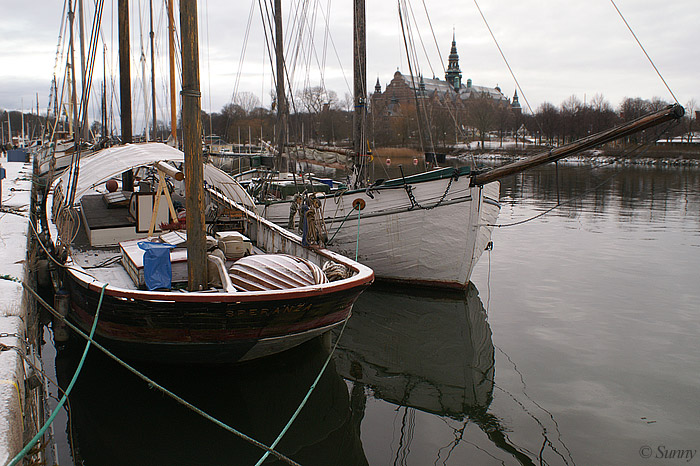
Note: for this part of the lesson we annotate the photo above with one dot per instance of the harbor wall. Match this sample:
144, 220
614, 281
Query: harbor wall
17, 315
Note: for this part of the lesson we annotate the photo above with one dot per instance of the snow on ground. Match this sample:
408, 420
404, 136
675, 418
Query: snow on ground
13, 250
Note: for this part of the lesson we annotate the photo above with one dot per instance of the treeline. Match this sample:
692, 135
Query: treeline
316, 115
574, 119
440, 124
319, 116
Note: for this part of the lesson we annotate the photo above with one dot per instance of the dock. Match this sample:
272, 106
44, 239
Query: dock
19, 408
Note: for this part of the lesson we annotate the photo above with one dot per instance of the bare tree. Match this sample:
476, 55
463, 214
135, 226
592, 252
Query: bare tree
690, 111
482, 113
657, 103
247, 101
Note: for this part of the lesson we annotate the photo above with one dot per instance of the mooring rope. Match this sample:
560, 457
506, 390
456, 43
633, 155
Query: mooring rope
60, 404
308, 394
153, 384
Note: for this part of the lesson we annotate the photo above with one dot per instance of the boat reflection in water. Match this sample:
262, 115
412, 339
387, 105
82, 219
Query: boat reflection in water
425, 351
118, 420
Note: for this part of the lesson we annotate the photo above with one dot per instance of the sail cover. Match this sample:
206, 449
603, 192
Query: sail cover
108, 163
97, 168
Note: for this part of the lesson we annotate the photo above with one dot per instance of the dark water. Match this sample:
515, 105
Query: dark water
578, 343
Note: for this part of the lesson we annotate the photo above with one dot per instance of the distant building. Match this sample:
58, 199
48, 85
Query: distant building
452, 92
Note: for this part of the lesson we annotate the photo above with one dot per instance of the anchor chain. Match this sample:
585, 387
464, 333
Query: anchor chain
414, 203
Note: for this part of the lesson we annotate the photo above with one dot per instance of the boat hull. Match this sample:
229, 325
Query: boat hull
202, 328
432, 241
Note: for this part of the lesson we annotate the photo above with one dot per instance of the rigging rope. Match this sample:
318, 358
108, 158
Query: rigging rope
522, 93
644, 50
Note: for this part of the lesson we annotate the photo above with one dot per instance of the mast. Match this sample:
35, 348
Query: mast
171, 49
359, 77
143, 80
281, 98
104, 91
672, 112
21, 144
153, 73
359, 95
124, 71
192, 144
73, 98
9, 128
125, 85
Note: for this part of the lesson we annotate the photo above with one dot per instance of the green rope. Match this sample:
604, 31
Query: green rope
60, 404
152, 384
10, 278
306, 398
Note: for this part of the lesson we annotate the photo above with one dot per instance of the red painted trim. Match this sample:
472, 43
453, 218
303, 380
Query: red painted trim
244, 296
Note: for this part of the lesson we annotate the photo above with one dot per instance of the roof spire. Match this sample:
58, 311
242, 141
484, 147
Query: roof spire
453, 74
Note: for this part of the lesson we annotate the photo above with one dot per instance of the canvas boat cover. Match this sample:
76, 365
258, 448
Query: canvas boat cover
108, 163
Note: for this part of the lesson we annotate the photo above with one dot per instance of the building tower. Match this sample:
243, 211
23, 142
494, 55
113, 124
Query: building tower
453, 74
516, 104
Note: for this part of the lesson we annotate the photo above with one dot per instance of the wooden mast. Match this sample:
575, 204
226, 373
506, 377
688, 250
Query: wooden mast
192, 143
672, 112
125, 85
359, 86
153, 73
73, 102
281, 97
171, 50
142, 59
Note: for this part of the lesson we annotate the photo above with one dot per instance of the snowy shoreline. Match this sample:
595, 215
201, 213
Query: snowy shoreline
595, 157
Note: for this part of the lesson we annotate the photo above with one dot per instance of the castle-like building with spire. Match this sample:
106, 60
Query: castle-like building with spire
403, 89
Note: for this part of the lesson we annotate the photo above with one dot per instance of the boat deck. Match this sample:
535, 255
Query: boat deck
101, 215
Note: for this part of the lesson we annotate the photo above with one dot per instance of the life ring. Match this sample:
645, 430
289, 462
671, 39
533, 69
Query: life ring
358, 204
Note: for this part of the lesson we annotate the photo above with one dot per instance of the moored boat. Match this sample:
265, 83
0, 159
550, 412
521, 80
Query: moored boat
95, 228
426, 229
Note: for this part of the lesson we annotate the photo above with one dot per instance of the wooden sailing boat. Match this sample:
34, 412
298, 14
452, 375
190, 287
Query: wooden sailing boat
426, 229
261, 293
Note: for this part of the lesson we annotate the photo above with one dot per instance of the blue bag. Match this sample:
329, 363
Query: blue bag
157, 271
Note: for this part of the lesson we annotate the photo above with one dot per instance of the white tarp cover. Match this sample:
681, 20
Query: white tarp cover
228, 186
97, 168
108, 163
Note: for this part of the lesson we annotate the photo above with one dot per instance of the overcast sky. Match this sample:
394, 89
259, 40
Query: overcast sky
555, 48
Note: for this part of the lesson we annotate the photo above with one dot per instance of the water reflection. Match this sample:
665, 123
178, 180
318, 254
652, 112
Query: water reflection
118, 420
428, 352
632, 192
